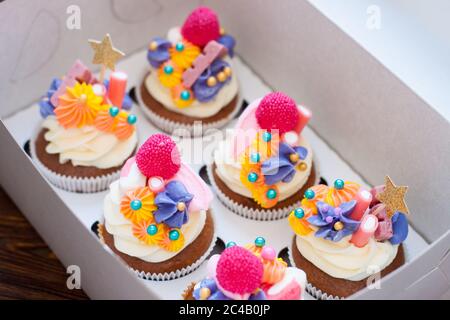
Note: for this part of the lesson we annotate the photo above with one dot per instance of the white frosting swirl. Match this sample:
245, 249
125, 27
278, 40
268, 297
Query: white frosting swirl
121, 228
196, 109
229, 171
344, 260
87, 146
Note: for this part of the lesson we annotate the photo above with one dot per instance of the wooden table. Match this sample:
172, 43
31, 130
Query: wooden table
28, 268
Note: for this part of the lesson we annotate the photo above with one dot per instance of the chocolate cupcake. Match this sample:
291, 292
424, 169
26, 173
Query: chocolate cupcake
262, 171
191, 77
347, 236
87, 133
157, 215
252, 272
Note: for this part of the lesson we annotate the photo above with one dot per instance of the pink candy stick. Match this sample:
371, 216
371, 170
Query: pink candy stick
305, 115
117, 87
211, 52
363, 199
365, 231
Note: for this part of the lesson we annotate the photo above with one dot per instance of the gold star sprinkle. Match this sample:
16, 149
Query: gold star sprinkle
104, 52
393, 198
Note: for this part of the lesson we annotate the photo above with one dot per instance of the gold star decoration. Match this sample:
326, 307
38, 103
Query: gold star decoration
104, 52
393, 197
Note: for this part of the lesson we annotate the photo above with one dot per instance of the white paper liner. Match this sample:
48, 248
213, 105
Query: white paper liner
169, 126
313, 291
68, 183
173, 274
252, 213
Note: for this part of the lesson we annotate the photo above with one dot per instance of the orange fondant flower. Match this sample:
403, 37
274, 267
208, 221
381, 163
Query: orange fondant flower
182, 96
149, 232
78, 106
173, 240
125, 125
337, 196
183, 53
170, 74
138, 205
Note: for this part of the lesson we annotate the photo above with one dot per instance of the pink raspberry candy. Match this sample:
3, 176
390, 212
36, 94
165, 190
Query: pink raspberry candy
277, 111
201, 26
158, 156
239, 271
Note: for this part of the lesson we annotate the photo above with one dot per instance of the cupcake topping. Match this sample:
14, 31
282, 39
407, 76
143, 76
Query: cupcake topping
79, 99
345, 209
274, 156
159, 210
193, 66
265, 275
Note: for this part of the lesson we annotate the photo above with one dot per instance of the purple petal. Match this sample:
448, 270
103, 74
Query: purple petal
176, 220
400, 228
302, 152
317, 221
323, 232
347, 207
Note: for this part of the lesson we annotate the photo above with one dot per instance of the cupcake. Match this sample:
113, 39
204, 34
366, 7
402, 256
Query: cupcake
252, 272
157, 215
191, 77
87, 132
346, 236
263, 169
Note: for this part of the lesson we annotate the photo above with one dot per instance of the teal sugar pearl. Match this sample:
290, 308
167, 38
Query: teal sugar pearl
168, 69
252, 177
152, 229
136, 204
309, 194
339, 184
179, 46
260, 242
267, 136
174, 235
185, 95
114, 111
131, 119
271, 194
299, 213
255, 157
231, 244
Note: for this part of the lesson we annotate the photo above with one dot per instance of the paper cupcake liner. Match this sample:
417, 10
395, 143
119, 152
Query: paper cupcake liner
169, 126
312, 290
173, 274
73, 184
252, 213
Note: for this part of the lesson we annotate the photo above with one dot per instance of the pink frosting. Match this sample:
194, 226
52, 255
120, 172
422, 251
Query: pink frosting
126, 168
196, 186
292, 291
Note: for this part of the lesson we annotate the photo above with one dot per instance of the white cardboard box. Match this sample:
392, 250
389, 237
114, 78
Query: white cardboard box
374, 121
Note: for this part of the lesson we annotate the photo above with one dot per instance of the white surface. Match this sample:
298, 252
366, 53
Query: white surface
410, 41
88, 207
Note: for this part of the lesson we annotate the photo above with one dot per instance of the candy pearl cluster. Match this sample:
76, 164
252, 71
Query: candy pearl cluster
222, 76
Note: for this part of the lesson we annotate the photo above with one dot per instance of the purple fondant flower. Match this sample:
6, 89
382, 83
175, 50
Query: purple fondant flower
282, 166
158, 52
399, 227
334, 223
173, 205
46, 108
202, 91
228, 42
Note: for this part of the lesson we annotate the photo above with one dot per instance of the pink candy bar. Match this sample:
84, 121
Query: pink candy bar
363, 199
365, 231
212, 51
77, 71
117, 87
